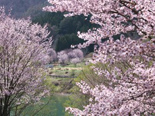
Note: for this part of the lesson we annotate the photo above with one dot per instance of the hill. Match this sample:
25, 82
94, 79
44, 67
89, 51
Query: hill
20, 7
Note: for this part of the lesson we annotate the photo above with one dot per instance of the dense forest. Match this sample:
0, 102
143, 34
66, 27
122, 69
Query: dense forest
64, 30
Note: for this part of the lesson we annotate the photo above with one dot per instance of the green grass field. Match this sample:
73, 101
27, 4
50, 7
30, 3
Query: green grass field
67, 70
60, 84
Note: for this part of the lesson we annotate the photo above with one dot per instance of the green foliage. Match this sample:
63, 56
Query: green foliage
48, 17
74, 24
64, 29
65, 41
77, 100
64, 85
89, 76
53, 106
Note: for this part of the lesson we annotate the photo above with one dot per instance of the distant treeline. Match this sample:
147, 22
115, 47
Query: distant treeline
64, 30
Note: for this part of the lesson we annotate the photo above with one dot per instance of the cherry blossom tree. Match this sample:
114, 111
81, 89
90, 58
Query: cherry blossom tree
52, 54
75, 61
73, 56
49, 56
79, 53
75, 53
63, 57
130, 91
21, 71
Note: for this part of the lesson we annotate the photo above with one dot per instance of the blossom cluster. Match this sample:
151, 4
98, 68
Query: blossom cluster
74, 56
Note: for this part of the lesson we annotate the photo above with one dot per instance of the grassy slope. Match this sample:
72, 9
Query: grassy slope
63, 85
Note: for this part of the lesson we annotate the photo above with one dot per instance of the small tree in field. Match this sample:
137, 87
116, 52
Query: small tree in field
73, 56
63, 57
131, 90
52, 54
21, 56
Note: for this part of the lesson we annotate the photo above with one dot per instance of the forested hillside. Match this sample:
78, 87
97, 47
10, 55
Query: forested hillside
19, 7
64, 29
